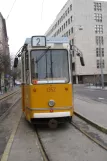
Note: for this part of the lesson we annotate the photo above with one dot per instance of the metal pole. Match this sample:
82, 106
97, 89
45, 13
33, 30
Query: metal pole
102, 75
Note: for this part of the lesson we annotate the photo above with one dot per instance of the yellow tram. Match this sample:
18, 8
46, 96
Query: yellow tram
47, 91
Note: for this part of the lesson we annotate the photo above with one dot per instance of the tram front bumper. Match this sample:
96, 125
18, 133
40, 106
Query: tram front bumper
51, 115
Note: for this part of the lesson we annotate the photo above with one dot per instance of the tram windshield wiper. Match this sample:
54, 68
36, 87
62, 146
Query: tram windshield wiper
42, 55
51, 64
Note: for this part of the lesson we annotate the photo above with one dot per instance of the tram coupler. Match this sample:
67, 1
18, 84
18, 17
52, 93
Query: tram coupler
53, 123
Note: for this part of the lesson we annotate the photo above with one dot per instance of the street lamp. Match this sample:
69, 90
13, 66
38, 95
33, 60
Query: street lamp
101, 64
78, 28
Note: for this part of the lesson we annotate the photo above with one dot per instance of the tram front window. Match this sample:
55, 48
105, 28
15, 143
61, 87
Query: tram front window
49, 66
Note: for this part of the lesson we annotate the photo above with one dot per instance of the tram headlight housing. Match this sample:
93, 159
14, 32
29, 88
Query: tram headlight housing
51, 103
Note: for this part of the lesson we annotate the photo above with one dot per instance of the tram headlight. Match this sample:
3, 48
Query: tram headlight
51, 103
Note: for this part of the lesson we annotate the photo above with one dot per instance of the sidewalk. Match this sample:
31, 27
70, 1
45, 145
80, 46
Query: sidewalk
92, 110
9, 92
95, 87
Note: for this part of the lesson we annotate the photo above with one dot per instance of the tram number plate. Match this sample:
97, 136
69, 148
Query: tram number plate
51, 89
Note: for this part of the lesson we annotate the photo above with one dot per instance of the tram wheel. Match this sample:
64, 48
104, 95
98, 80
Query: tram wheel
53, 123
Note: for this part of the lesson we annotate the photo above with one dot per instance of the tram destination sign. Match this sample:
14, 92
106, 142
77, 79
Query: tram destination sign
38, 41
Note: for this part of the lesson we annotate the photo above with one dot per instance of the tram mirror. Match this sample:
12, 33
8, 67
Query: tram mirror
82, 61
71, 47
27, 61
78, 54
15, 62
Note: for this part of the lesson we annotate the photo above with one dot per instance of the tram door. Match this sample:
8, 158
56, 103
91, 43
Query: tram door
23, 82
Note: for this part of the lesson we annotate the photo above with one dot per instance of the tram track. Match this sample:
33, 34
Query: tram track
57, 144
8, 102
89, 136
41, 147
52, 141
9, 95
100, 142
95, 135
46, 155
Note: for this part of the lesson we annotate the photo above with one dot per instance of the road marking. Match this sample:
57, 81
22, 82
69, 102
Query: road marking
10, 141
100, 98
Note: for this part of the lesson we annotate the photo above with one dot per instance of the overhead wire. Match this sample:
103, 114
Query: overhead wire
41, 16
42, 9
11, 9
10, 13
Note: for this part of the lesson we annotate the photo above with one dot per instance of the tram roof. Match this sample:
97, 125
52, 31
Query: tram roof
56, 40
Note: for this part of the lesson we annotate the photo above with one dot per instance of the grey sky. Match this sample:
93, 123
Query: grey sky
25, 19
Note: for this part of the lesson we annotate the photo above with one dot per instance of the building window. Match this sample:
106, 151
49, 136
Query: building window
72, 41
60, 29
70, 7
68, 10
69, 32
103, 64
73, 53
64, 25
98, 51
99, 29
63, 15
98, 63
61, 19
102, 40
97, 6
102, 51
66, 13
98, 17
99, 40
71, 18
72, 30
68, 21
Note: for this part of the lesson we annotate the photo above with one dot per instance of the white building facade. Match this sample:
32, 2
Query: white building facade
85, 23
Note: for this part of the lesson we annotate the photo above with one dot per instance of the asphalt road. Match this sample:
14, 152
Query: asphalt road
98, 95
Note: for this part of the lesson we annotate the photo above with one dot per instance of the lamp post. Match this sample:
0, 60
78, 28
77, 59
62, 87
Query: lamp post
101, 64
80, 28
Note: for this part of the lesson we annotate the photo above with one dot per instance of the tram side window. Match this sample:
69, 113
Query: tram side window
27, 68
33, 73
22, 69
26, 61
